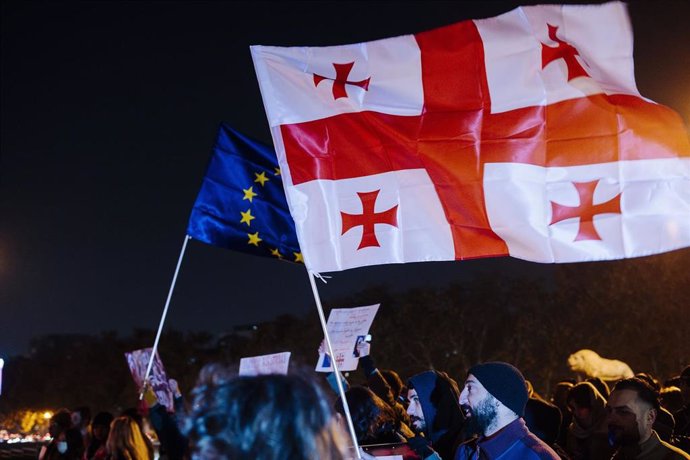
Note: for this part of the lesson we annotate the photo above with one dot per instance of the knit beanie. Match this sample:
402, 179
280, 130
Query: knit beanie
504, 382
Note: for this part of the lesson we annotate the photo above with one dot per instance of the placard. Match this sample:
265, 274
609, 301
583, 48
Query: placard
346, 326
276, 363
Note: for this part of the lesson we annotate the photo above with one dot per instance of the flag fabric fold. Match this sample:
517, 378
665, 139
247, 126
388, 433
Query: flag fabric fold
521, 135
241, 204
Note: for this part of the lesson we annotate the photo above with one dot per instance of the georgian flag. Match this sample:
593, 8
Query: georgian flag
519, 135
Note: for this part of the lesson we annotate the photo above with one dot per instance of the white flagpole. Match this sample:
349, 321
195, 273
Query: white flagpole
341, 390
165, 312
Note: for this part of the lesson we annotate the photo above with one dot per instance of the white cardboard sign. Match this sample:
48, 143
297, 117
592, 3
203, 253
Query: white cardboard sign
276, 363
346, 327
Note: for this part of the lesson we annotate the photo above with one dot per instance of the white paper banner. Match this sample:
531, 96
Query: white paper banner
276, 363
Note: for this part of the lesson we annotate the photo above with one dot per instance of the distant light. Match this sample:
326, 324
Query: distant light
47, 415
2, 363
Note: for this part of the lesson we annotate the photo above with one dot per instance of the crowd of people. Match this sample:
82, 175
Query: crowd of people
493, 414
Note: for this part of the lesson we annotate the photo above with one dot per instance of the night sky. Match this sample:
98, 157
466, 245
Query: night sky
109, 111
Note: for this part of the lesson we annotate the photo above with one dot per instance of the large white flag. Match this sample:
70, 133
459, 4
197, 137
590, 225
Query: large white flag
520, 135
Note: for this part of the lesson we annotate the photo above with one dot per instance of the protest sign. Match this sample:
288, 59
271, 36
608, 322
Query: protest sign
276, 363
346, 328
138, 361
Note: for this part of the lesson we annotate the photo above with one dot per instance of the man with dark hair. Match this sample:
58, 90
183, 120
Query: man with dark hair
494, 399
665, 423
632, 409
435, 414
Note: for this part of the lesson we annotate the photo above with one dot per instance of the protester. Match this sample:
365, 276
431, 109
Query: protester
138, 415
632, 409
560, 400
100, 428
374, 421
173, 444
126, 441
386, 384
268, 417
543, 419
81, 419
588, 432
664, 423
66, 442
435, 414
494, 398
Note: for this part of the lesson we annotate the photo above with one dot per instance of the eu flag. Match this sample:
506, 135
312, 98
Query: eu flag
241, 204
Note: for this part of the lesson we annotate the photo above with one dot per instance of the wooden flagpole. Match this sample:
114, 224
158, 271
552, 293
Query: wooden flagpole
341, 390
165, 313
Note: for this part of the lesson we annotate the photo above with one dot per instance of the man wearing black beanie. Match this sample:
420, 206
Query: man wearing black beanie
494, 399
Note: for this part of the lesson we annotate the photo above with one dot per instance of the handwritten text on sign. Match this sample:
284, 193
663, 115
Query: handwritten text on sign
266, 364
345, 326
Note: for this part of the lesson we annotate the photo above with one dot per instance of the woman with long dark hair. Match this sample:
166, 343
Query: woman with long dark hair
268, 417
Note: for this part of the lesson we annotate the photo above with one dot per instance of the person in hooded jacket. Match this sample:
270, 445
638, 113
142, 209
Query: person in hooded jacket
587, 437
435, 414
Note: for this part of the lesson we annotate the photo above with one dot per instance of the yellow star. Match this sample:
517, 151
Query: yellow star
247, 217
249, 194
261, 178
298, 257
276, 252
254, 239
277, 171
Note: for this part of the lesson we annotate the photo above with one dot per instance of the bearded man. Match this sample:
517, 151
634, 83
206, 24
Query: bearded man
493, 400
632, 408
435, 414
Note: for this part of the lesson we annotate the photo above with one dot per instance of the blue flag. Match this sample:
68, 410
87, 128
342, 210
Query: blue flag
241, 204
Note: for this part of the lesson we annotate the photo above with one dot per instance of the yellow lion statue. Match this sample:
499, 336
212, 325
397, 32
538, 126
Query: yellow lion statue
590, 364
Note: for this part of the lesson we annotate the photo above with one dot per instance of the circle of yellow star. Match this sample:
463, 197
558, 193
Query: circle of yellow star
277, 171
276, 252
247, 217
261, 178
254, 239
298, 257
249, 194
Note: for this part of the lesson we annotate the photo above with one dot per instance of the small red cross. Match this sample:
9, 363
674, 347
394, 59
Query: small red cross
369, 218
564, 51
586, 210
340, 80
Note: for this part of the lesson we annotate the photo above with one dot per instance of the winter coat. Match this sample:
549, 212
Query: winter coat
439, 396
512, 442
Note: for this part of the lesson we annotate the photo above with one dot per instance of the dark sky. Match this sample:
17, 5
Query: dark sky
109, 111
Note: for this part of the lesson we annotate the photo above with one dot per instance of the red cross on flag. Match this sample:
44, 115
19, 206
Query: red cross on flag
520, 135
